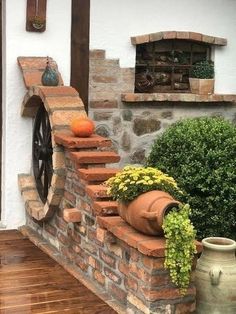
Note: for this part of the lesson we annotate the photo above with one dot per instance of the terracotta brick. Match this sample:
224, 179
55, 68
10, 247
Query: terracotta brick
156, 36
220, 41
97, 174
134, 238
94, 157
132, 299
37, 63
115, 248
50, 229
117, 292
58, 159
30, 195
138, 272
90, 247
182, 35
105, 208
123, 268
67, 102
65, 117
72, 215
104, 79
70, 141
78, 190
134, 255
70, 197
185, 308
68, 252
58, 182
208, 39
97, 54
164, 293
85, 206
97, 191
26, 181
63, 239
60, 223
99, 277
152, 263
140, 39
82, 264
195, 36
56, 91
152, 247
32, 78
101, 234
110, 222
169, 35
122, 232
112, 275
103, 104
108, 259
131, 284
94, 263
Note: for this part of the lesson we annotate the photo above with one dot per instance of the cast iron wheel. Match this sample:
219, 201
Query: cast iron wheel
42, 153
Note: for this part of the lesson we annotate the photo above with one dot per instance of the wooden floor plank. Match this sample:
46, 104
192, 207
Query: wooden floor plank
31, 282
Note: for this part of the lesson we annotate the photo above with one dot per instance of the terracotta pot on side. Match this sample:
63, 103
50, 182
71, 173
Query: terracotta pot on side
216, 277
147, 211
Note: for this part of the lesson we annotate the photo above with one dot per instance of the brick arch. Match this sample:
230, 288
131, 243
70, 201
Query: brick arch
63, 104
193, 36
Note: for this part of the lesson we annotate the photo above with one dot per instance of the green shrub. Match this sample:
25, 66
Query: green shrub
202, 70
200, 154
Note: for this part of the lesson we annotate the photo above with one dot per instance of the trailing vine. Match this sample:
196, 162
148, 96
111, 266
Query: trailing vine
180, 246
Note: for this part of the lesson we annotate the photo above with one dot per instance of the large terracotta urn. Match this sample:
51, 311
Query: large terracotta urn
146, 212
216, 277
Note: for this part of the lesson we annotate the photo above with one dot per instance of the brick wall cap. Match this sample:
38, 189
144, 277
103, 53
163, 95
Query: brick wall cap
193, 36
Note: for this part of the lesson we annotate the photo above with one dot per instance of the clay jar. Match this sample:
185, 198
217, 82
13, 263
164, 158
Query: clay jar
146, 212
216, 277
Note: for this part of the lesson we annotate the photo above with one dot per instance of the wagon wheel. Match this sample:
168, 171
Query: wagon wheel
42, 153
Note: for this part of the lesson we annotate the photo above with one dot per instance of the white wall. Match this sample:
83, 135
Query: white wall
113, 22
17, 131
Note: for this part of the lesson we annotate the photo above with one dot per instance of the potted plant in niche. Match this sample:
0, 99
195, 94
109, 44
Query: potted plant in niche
201, 78
145, 198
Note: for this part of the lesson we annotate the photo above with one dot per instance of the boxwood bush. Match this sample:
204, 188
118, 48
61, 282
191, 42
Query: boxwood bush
200, 154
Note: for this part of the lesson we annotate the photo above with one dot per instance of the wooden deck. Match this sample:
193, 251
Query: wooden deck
31, 282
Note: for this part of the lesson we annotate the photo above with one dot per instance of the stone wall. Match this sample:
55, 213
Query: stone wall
133, 124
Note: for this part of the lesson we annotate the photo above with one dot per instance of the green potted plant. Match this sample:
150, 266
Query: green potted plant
145, 198
201, 78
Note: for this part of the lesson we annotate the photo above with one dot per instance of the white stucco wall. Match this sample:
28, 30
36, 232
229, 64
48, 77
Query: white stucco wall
113, 22
17, 131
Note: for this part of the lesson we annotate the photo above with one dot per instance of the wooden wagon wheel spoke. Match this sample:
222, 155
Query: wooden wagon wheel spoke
42, 153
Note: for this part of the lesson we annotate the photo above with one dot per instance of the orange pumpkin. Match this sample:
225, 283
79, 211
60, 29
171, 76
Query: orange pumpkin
82, 127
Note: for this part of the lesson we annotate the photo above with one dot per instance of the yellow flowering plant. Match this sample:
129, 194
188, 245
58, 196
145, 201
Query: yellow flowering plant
133, 181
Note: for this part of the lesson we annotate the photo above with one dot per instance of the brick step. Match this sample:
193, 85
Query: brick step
67, 139
97, 191
105, 208
96, 174
72, 215
94, 157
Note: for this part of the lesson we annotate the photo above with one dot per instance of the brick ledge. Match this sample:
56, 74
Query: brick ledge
147, 245
177, 97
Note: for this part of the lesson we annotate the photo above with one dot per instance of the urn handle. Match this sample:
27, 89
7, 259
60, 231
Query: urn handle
215, 273
149, 215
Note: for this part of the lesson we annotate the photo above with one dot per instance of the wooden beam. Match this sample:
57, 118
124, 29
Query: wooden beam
80, 48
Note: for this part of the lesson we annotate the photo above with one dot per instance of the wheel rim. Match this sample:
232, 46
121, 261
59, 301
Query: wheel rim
42, 153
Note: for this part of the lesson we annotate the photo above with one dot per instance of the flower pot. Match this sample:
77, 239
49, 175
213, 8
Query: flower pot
146, 212
216, 277
201, 86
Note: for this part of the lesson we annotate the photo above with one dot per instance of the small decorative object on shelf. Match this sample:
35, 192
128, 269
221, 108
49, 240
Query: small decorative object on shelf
50, 76
144, 82
202, 78
82, 127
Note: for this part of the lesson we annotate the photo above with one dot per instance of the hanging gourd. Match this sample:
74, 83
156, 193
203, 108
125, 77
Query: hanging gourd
82, 127
50, 76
